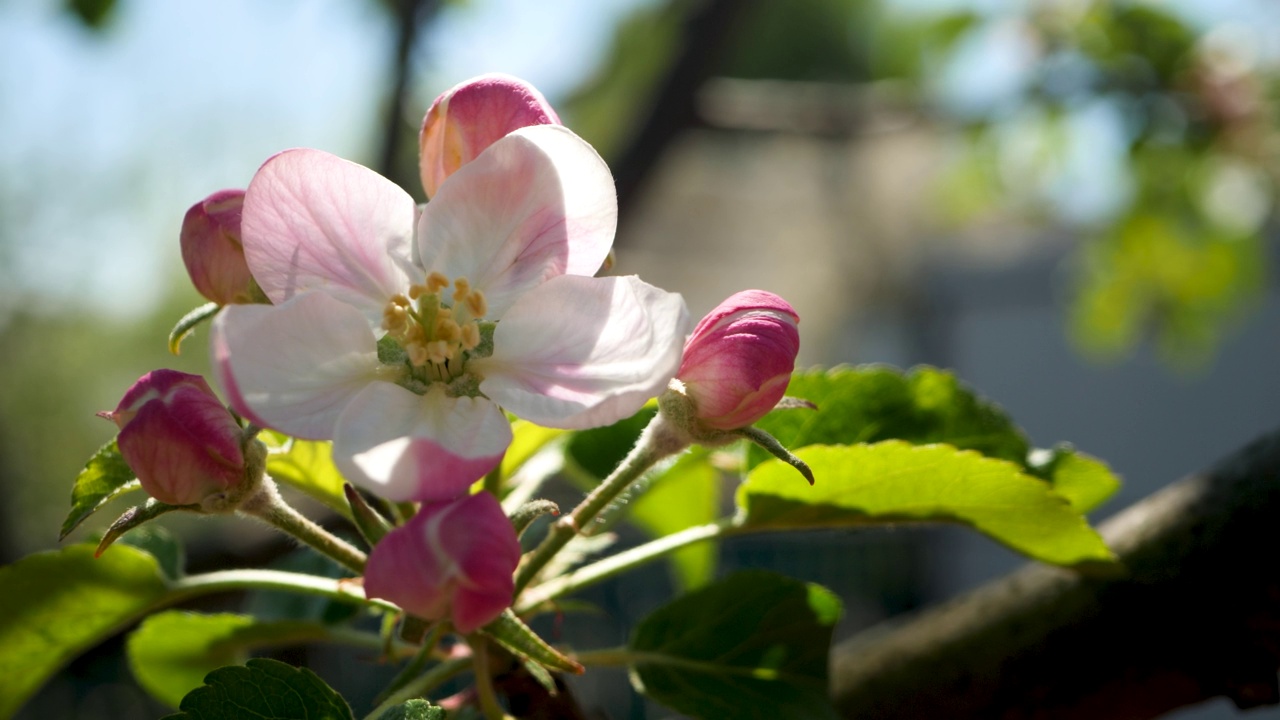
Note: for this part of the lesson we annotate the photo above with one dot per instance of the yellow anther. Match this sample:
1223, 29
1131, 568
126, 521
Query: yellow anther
439, 351
470, 336
416, 291
400, 300
462, 288
436, 282
447, 330
477, 304
417, 353
415, 333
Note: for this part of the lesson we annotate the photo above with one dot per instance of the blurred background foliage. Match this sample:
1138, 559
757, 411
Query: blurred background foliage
1141, 132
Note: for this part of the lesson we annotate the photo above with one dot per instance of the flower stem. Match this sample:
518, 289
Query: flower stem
623, 561
425, 683
484, 680
656, 442
228, 580
269, 507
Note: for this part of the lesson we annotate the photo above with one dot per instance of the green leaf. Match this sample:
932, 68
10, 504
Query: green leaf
872, 403
1084, 481
687, 494
105, 477
264, 690
527, 439
753, 645
923, 405
414, 710
894, 481
307, 465
161, 545
515, 636
599, 450
171, 652
55, 605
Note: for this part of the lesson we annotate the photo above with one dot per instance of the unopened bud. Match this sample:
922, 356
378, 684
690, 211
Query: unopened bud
472, 116
452, 560
179, 439
739, 359
212, 251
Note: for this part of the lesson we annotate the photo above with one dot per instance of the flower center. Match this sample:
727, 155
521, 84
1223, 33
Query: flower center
436, 328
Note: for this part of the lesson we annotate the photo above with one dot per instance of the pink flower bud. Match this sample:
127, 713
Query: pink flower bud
178, 438
453, 559
739, 359
212, 251
472, 116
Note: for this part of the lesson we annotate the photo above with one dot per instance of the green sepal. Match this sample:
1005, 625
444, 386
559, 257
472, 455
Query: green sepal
367, 520
189, 323
512, 634
135, 516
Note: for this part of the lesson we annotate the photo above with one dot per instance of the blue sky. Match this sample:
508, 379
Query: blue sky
109, 138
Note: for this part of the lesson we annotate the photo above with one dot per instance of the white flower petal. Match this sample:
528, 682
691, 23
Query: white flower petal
404, 446
536, 204
293, 367
579, 352
312, 220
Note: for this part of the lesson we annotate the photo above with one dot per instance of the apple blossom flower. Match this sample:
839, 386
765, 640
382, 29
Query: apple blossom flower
211, 249
739, 359
402, 337
452, 559
470, 117
178, 438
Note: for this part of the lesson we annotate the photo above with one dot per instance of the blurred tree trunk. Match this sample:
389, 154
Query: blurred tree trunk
1196, 616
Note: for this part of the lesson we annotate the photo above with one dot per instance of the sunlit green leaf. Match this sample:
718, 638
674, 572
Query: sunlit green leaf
1084, 481
753, 645
55, 605
171, 652
873, 403
264, 690
105, 477
893, 481
527, 440
685, 495
307, 465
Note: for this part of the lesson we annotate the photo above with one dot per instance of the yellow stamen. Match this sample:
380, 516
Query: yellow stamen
477, 304
439, 351
400, 300
416, 291
462, 288
436, 282
417, 353
470, 336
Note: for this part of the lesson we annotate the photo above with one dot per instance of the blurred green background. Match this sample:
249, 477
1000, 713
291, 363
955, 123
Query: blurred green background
852, 155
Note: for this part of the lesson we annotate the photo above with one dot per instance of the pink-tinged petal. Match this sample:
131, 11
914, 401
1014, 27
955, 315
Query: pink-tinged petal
538, 203
405, 446
738, 362
295, 366
470, 117
312, 220
451, 560
211, 249
581, 352
178, 438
